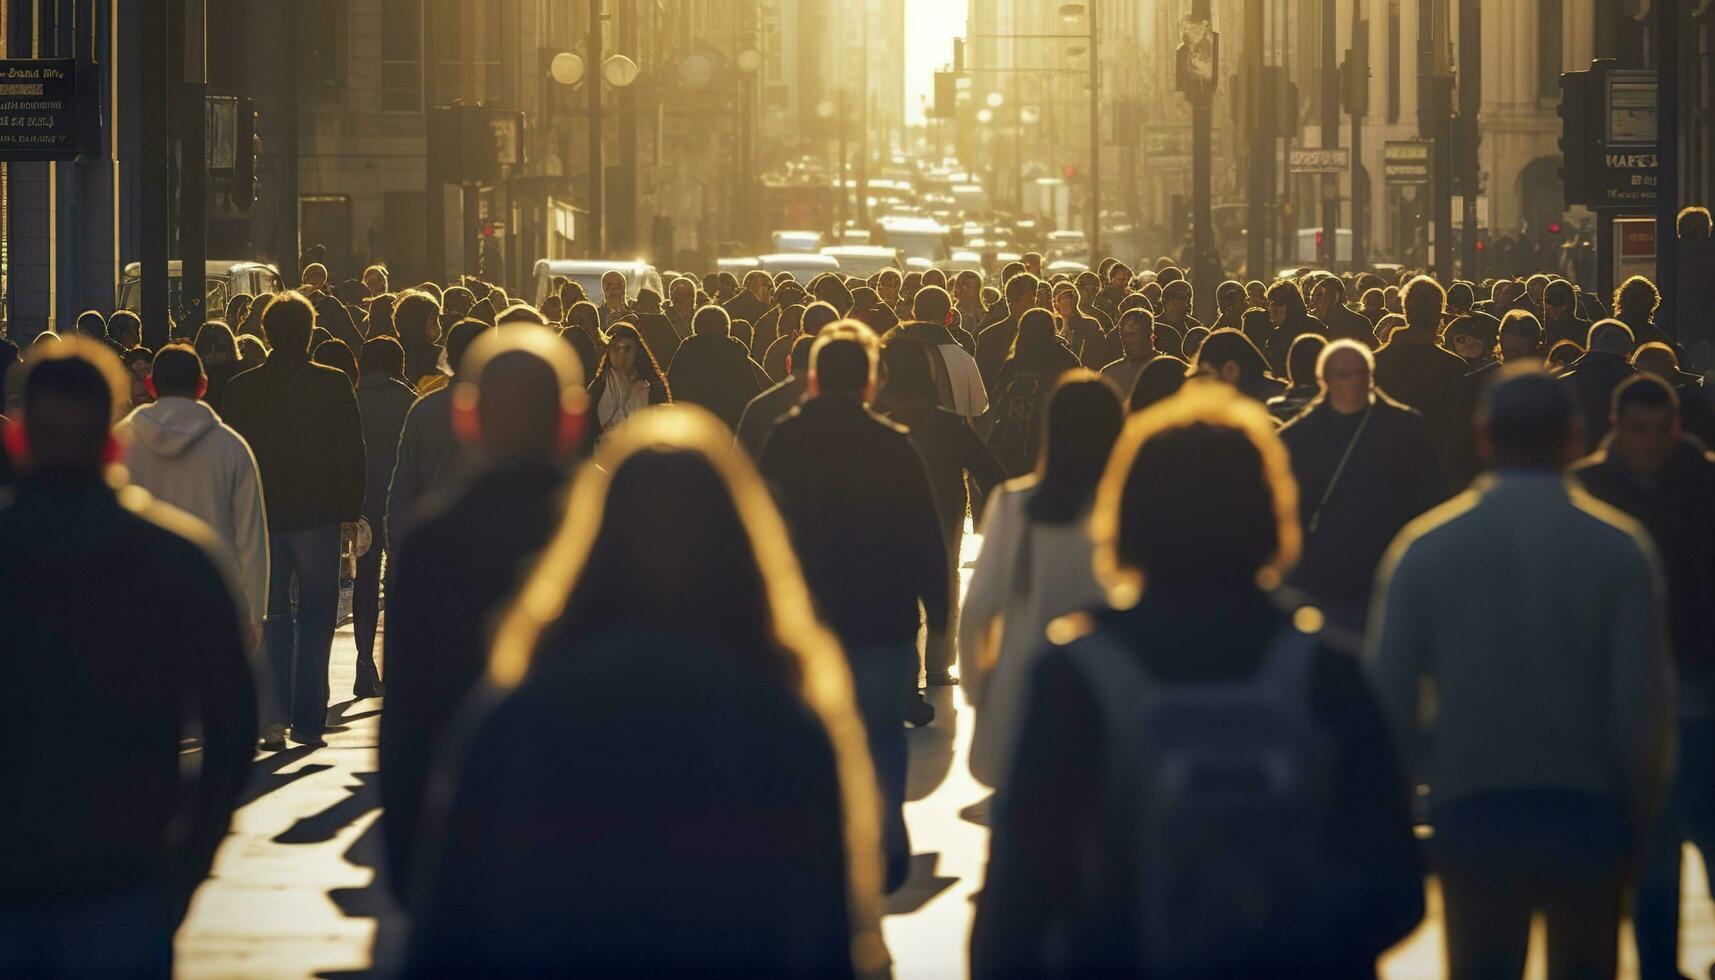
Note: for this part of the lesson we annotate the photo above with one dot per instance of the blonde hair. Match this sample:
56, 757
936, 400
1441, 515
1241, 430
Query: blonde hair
823, 678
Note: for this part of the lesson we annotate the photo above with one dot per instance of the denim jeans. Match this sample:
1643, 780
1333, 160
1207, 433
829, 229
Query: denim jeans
1689, 815
299, 637
1505, 856
885, 678
128, 934
366, 601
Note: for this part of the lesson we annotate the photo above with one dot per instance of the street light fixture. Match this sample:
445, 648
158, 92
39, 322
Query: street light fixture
567, 69
619, 71
995, 100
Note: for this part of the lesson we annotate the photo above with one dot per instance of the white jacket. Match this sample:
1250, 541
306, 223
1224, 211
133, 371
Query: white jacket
180, 451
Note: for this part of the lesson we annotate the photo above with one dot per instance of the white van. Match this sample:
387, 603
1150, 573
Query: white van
224, 279
797, 241
804, 266
588, 272
863, 261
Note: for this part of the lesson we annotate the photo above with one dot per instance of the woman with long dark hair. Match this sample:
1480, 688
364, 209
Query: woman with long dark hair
1021, 388
1230, 357
627, 381
1035, 563
738, 835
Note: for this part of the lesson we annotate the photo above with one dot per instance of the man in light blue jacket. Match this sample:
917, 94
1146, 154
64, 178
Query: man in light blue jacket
1518, 645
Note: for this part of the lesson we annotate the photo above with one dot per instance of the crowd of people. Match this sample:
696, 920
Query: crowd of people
665, 580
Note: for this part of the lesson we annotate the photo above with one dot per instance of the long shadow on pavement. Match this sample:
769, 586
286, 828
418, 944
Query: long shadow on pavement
920, 887
319, 828
266, 777
372, 902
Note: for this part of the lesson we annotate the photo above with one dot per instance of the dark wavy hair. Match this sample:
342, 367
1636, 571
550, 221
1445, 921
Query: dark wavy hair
1033, 348
1078, 432
647, 368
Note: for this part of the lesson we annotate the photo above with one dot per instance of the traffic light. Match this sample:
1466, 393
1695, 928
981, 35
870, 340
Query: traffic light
1576, 89
246, 184
1355, 83
946, 95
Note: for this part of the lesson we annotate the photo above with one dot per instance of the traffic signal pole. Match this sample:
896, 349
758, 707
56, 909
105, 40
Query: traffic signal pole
1665, 52
1261, 144
1470, 105
1328, 254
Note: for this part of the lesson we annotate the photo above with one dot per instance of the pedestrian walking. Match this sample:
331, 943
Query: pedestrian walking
1593, 377
959, 381
1414, 370
1021, 388
383, 400
1524, 591
1136, 327
431, 459
995, 340
714, 370
627, 381
301, 421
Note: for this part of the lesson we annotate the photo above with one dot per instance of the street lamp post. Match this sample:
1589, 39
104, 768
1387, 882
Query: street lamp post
1095, 195
595, 177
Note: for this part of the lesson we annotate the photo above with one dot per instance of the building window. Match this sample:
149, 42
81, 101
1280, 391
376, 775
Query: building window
322, 79
450, 41
402, 56
1550, 23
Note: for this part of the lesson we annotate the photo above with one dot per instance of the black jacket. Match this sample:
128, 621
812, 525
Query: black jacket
1573, 328
1346, 324
1043, 824
302, 423
573, 847
383, 404
1392, 475
451, 578
431, 458
1591, 383
1677, 508
1423, 375
422, 360
659, 333
102, 681
856, 498
716, 373
745, 307
950, 448
765, 411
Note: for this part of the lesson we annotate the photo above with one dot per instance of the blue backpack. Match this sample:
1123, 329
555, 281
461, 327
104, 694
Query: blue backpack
1215, 806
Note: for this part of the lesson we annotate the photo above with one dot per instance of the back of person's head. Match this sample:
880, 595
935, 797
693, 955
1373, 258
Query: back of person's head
1656, 358
1161, 378
215, 344
1230, 293
1611, 337
382, 357
126, 328
417, 317
1559, 292
1198, 495
456, 302
288, 324
251, 350
1693, 224
1229, 346
90, 323
459, 338
71, 394
1178, 289
1564, 353
1423, 300
1461, 296
1526, 420
1644, 391
818, 315
1522, 324
1637, 298
518, 392
334, 353
521, 313
1021, 289
315, 274
177, 372
798, 358
931, 304
1285, 293
843, 359
1036, 340
711, 321
1301, 358
1079, 428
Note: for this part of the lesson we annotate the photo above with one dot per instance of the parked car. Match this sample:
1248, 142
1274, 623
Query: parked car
588, 272
224, 279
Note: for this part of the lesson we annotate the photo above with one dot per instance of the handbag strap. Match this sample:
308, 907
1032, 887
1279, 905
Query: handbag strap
1340, 470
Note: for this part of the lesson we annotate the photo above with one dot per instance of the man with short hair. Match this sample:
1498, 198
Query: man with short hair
1032, 262
968, 300
613, 305
713, 369
301, 420
1116, 285
1364, 467
314, 279
1176, 307
856, 499
122, 637
765, 410
1229, 306
1531, 613
178, 449
1136, 332
1520, 343
521, 406
681, 307
375, 280
430, 458
1414, 369
957, 377
1328, 304
1591, 381
1648, 469
887, 286
1560, 317
757, 298
995, 340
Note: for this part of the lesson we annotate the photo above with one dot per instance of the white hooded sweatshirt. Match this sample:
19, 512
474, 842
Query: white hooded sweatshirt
180, 451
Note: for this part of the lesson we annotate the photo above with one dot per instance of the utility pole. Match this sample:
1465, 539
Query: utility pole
863, 124
1328, 255
844, 199
1095, 194
1261, 142
592, 82
1470, 105
1664, 52
1359, 99
434, 182
471, 28
1434, 122
154, 27
191, 125
1196, 72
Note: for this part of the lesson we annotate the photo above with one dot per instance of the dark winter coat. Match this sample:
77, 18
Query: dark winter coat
950, 449
645, 803
431, 458
715, 372
857, 501
1591, 383
1392, 475
301, 421
765, 411
383, 403
102, 681
451, 578
1418, 373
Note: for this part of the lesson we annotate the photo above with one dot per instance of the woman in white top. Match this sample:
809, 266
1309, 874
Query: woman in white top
1035, 564
628, 379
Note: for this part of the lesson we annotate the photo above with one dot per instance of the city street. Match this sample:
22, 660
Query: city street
295, 892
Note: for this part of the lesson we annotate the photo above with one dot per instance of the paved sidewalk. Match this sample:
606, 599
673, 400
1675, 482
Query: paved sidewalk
295, 892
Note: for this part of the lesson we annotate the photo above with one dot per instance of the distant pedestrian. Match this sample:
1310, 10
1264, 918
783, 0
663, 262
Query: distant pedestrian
627, 381
994, 341
1020, 394
712, 369
1525, 592
301, 421
383, 400
417, 321
1136, 326
1304, 386
1229, 357
1593, 377
959, 381
431, 461
1413, 369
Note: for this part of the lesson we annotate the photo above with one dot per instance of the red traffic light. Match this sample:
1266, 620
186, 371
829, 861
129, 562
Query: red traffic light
1070, 171
1554, 228
1481, 244
488, 230
1318, 238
